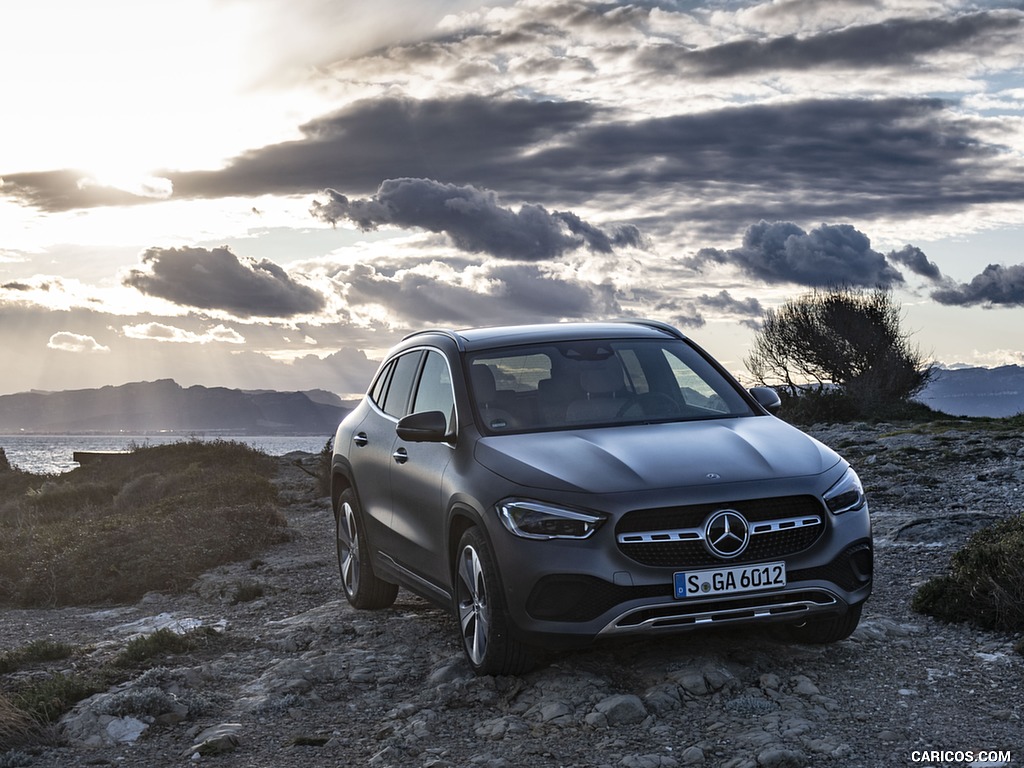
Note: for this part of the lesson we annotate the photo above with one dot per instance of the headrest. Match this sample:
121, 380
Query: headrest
483, 382
602, 378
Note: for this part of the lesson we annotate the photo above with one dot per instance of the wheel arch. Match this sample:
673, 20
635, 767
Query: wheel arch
460, 520
341, 480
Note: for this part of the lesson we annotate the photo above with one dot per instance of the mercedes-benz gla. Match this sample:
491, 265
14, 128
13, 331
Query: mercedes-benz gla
556, 484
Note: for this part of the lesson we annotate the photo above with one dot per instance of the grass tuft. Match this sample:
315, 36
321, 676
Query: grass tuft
17, 728
163, 642
34, 652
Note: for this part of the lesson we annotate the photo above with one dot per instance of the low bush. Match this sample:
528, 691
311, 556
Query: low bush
837, 407
150, 521
163, 642
46, 699
35, 652
323, 475
30, 703
985, 584
17, 727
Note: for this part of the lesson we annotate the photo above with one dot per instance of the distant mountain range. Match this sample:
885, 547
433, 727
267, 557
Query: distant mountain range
996, 392
164, 405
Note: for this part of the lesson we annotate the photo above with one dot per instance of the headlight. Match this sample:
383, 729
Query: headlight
845, 495
535, 520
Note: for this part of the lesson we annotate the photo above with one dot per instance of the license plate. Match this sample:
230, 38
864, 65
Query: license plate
728, 581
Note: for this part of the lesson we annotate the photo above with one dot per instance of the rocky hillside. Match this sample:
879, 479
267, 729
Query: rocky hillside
166, 406
299, 678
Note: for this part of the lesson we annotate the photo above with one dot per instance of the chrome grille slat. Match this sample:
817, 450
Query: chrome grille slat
675, 537
697, 534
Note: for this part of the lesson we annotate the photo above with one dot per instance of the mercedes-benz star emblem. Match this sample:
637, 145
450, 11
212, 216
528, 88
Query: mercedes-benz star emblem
726, 533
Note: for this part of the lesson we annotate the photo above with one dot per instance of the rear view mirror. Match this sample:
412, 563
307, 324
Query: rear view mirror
767, 398
425, 427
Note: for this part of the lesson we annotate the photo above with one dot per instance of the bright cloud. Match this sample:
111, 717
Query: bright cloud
169, 333
66, 341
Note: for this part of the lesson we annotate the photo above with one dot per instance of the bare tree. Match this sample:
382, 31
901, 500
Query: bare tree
839, 338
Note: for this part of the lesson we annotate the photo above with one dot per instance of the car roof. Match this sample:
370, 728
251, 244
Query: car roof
471, 339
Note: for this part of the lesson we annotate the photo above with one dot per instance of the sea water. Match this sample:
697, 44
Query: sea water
53, 454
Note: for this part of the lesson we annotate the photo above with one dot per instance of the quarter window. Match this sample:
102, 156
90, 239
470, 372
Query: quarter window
380, 385
396, 399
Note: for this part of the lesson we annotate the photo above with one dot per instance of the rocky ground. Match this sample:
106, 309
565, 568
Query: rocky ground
298, 678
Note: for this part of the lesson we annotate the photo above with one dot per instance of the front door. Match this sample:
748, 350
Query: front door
417, 474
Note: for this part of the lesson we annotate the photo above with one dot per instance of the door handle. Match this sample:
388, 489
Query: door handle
361, 439
401, 456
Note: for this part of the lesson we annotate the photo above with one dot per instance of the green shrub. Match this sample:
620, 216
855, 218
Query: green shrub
150, 521
46, 700
29, 704
836, 407
323, 475
248, 591
34, 652
985, 585
163, 642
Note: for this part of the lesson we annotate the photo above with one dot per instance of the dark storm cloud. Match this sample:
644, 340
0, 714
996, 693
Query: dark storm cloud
815, 159
518, 293
896, 42
747, 311
465, 138
997, 285
218, 279
916, 261
62, 191
783, 252
723, 301
474, 220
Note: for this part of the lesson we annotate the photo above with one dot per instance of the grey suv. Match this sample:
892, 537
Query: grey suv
555, 484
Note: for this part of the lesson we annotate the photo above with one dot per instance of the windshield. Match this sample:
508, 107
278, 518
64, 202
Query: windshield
569, 385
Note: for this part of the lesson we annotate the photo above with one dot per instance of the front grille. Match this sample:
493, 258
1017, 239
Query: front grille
689, 550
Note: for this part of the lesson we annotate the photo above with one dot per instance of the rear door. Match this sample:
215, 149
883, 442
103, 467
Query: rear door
372, 452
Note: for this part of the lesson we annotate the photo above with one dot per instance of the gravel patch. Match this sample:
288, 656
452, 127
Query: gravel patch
303, 679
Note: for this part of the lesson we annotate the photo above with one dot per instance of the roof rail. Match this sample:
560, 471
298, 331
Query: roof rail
459, 341
658, 325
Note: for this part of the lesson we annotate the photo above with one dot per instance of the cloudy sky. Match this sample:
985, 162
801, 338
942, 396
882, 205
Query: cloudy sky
269, 193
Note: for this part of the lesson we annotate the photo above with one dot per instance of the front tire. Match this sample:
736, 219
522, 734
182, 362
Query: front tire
363, 588
483, 620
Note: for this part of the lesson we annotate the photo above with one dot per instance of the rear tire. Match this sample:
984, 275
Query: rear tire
483, 620
824, 631
363, 588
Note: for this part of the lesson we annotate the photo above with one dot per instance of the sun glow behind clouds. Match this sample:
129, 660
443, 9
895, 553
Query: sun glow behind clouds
121, 88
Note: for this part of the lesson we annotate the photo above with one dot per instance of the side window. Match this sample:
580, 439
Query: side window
396, 399
380, 384
435, 389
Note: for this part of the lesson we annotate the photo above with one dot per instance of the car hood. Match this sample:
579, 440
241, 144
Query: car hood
650, 456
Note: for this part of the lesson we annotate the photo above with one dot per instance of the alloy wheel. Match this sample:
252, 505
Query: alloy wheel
474, 611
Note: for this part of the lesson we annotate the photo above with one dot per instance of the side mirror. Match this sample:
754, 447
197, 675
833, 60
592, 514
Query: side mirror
767, 398
425, 427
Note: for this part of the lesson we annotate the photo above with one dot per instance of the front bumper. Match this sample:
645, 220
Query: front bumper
594, 591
